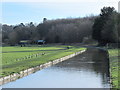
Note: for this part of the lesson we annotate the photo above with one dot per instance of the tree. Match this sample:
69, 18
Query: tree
44, 20
99, 24
70, 30
110, 31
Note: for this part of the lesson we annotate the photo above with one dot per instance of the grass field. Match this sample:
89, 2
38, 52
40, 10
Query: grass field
114, 66
15, 59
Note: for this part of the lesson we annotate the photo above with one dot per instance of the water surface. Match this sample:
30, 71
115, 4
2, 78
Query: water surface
88, 70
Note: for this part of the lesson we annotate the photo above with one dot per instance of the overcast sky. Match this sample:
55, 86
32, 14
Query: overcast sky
24, 11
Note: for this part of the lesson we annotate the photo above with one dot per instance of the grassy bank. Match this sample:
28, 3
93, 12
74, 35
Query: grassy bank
114, 67
15, 59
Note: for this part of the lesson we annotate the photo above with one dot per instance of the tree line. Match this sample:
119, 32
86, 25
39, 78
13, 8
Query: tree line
52, 31
104, 28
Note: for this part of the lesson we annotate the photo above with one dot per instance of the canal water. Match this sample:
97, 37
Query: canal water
88, 70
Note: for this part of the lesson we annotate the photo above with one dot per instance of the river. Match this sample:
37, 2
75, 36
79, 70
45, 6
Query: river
87, 70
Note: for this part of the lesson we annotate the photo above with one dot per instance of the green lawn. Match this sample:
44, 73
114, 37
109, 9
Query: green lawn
15, 59
114, 66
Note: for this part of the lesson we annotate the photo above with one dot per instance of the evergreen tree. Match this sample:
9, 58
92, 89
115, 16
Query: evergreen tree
99, 23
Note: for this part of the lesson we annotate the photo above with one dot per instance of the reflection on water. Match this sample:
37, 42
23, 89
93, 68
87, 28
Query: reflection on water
89, 70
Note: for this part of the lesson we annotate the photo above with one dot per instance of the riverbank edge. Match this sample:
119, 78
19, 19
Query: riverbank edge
29, 71
113, 87
111, 82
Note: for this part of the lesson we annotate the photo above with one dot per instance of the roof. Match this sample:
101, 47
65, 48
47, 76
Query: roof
40, 41
24, 41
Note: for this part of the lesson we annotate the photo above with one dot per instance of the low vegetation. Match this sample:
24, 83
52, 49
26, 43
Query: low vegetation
114, 67
15, 59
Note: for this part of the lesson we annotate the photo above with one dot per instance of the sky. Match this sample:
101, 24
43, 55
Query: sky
25, 11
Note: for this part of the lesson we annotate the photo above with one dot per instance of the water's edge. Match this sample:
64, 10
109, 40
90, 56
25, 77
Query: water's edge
29, 71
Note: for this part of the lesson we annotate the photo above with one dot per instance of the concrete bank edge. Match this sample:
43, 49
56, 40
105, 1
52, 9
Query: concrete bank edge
29, 71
